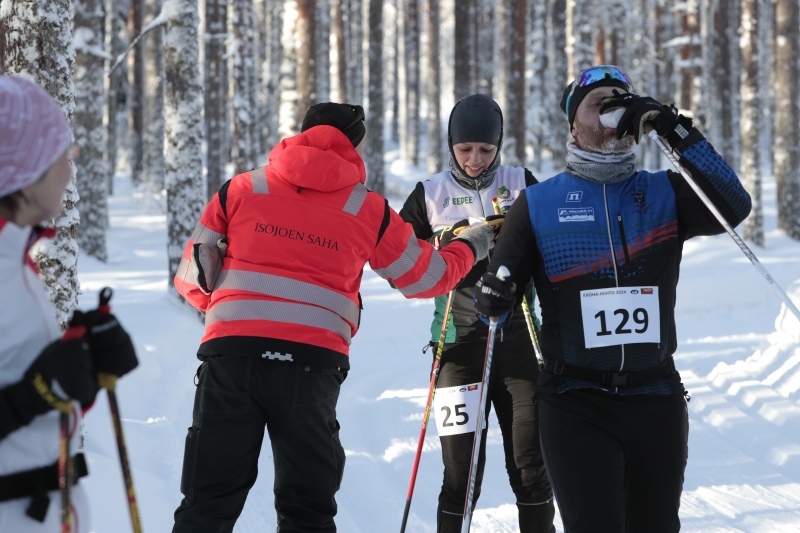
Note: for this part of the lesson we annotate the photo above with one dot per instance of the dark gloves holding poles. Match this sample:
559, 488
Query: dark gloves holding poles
109, 344
495, 296
450, 233
644, 109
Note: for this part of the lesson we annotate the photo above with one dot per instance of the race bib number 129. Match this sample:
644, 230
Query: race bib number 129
620, 315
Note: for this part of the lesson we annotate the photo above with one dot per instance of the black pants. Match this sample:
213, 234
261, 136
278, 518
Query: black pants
512, 379
236, 397
616, 463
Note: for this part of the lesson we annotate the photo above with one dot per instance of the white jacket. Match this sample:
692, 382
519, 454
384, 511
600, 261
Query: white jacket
27, 325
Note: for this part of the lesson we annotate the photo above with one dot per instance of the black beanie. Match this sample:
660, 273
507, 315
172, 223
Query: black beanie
476, 118
580, 93
349, 119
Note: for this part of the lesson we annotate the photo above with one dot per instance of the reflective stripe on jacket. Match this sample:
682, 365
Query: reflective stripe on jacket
299, 233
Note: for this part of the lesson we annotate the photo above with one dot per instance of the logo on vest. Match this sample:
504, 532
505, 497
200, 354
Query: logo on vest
503, 193
277, 356
446, 202
295, 235
579, 214
574, 196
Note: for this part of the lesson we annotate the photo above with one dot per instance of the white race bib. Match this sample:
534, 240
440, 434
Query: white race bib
456, 409
620, 315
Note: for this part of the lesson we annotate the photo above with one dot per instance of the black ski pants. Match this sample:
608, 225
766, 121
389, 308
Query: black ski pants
236, 398
512, 380
616, 462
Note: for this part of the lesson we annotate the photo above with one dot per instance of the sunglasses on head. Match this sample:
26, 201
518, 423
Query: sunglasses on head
599, 73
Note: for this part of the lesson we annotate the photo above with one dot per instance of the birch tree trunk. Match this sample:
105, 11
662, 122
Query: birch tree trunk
752, 127
536, 116
409, 82
322, 62
434, 89
787, 126
39, 47
91, 183
243, 83
136, 94
117, 103
272, 71
154, 111
184, 126
374, 149
306, 55
356, 59
289, 123
558, 77
580, 41
216, 93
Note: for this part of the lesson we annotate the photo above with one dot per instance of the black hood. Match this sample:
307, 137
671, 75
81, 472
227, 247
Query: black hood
475, 118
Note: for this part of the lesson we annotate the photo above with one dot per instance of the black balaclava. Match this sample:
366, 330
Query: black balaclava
476, 118
349, 119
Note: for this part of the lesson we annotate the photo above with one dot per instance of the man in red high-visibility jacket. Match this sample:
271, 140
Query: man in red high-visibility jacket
275, 264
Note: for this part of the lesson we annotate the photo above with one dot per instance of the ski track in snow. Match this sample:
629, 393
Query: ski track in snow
739, 362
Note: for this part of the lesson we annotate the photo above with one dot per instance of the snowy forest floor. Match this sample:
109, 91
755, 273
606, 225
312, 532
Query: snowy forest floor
735, 356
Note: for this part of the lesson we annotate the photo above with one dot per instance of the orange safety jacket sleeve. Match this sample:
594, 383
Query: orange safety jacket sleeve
414, 266
212, 227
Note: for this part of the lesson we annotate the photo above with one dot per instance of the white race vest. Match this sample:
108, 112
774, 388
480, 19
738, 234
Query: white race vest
447, 202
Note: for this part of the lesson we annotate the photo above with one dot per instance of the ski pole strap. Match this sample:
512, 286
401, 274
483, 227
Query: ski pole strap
36, 483
624, 380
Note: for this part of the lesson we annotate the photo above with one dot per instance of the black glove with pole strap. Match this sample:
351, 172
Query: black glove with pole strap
639, 110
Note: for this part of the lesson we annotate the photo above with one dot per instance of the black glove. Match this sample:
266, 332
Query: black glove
494, 297
450, 233
110, 345
640, 109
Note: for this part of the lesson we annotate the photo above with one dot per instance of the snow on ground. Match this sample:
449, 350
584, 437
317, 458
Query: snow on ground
736, 354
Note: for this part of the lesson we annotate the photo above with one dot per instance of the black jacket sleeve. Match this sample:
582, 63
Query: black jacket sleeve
717, 180
530, 179
515, 245
19, 404
415, 213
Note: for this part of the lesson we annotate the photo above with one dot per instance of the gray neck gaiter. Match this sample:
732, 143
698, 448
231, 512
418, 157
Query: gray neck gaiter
476, 184
600, 168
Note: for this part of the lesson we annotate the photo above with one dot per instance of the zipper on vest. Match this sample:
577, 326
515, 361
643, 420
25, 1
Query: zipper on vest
624, 241
614, 260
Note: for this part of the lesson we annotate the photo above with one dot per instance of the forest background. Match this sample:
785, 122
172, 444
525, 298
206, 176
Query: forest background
212, 85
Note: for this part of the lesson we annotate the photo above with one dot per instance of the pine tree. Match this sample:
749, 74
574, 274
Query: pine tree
512, 18
374, 149
580, 40
289, 121
787, 126
39, 47
356, 58
251, 60
464, 78
752, 123
2, 47
117, 103
536, 114
241, 25
434, 89
154, 111
409, 82
322, 62
184, 127
558, 77
341, 33
136, 94
216, 93
306, 55
272, 71
483, 42
724, 82
92, 182
394, 127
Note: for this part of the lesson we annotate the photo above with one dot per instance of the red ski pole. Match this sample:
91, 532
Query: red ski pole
426, 415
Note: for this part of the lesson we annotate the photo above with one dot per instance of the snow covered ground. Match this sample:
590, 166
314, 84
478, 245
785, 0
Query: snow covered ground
736, 354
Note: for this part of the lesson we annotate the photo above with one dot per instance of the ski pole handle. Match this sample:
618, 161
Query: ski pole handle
735, 236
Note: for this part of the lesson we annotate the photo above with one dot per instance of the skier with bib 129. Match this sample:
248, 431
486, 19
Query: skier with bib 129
603, 243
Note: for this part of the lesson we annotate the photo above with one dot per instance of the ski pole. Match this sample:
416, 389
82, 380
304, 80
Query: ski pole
532, 330
426, 415
502, 273
109, 382
711, 207
64, 473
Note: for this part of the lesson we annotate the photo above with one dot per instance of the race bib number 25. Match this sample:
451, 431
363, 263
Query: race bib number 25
620, 315
456, 409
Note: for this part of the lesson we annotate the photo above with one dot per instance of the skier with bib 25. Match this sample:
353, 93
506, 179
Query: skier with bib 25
462, 194
603, 243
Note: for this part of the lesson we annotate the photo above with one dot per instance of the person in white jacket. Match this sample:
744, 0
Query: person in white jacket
43, 372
